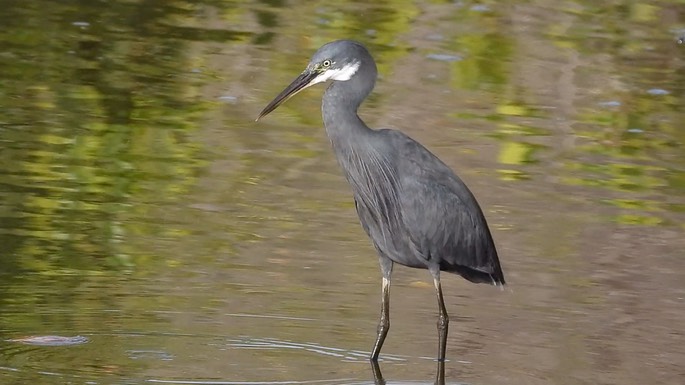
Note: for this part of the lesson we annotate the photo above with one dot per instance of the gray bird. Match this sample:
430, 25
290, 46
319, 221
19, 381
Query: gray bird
416, 211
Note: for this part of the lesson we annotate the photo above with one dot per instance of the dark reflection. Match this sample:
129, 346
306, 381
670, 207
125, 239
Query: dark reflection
379, 380
263, 38
267, 19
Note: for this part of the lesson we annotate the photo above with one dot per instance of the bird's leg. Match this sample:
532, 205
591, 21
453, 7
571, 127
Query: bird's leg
384, 323
443, 320
440, 374
377, 375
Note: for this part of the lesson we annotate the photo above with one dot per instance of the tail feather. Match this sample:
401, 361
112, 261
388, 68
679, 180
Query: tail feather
495, 278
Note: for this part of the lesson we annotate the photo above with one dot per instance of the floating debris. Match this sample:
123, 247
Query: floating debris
228, 99
51, 340
610, 103
679, 34
480, 8
657, 91
150, 354
444, 57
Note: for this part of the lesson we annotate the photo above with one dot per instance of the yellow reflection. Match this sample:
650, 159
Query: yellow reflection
643, 12
515, 153
513, 110
636, 219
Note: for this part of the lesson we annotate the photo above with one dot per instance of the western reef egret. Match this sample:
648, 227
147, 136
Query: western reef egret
416, 211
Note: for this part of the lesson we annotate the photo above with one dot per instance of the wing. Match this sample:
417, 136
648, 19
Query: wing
443, 220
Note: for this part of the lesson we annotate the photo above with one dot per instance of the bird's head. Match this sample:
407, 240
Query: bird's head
338, 61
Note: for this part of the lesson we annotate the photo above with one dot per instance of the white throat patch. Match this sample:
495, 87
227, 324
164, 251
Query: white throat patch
342, 74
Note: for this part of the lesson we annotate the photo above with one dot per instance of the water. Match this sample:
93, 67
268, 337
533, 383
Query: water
146, 216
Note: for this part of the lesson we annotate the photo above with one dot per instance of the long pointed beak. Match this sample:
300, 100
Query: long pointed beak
303, 81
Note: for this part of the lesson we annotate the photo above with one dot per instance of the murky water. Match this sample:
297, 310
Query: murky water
145, 215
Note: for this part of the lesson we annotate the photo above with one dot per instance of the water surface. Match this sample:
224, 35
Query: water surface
146, 218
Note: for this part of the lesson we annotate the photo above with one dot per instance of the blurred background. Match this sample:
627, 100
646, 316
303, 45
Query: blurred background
143, 209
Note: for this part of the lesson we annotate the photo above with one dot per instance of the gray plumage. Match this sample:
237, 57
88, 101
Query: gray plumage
416, 211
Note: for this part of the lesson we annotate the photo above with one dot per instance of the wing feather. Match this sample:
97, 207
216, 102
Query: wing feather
441, 216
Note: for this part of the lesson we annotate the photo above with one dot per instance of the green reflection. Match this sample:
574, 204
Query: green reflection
96, 125
488, 53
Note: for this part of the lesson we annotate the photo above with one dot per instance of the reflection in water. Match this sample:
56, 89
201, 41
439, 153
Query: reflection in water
87, 145
379, 380
142, 208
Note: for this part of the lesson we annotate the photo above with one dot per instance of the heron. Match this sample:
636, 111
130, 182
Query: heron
416, 210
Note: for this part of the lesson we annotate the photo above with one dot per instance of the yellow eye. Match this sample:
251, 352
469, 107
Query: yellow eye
326, 63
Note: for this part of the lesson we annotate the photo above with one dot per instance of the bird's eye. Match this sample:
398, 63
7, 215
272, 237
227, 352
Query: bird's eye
326, 63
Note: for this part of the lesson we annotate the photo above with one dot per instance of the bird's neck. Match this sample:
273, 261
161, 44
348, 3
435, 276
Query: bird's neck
339, 109
352, 140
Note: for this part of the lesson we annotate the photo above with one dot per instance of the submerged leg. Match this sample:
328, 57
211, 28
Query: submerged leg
443, 319
384, 323
440, 374
377, 375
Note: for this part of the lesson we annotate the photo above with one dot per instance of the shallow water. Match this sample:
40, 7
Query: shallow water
143, 209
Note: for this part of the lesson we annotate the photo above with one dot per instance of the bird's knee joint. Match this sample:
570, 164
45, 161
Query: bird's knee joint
443, 321
383, 327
